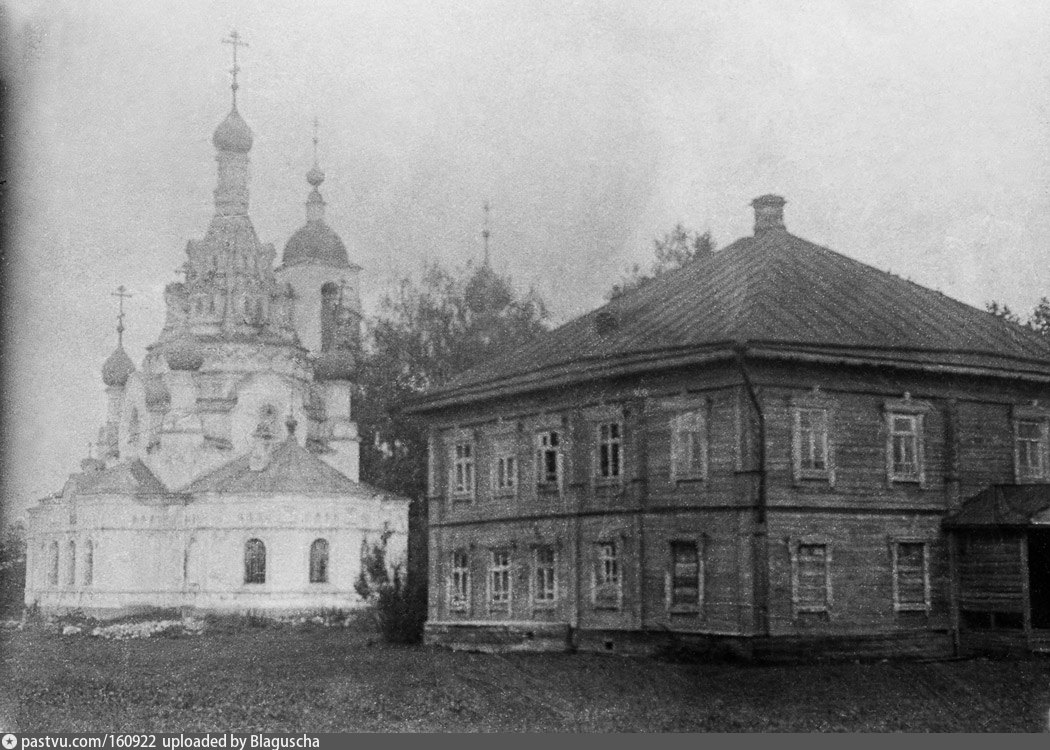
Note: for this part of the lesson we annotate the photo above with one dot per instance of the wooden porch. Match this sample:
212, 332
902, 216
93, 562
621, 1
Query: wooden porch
1000, 558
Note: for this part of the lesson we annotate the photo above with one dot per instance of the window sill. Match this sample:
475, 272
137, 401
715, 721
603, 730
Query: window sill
1032, 480
547, 488
544, 606
684, 609
906, 480
505, 493
910, 608
698, 479
461, 499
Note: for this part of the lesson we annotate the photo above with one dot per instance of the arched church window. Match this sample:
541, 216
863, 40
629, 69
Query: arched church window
89, 563
329, 314
267, 420
134, 426
254, 561
52, 565
319, 561
71, 563
198, 306
211, 305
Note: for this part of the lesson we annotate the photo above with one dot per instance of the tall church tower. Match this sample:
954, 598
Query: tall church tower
326, 301
324, 281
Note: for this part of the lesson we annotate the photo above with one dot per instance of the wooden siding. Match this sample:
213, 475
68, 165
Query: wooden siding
967, 444
991, 573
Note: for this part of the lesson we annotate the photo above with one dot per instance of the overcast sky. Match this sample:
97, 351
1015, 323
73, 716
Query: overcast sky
909, 135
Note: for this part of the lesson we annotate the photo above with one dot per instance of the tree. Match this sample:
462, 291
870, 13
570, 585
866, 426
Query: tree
674, 250
1038, 320
12, 568
424, 335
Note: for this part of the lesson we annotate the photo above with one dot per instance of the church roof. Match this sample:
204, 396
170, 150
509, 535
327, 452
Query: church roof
291, 470
129, 478
776, 294
315, 242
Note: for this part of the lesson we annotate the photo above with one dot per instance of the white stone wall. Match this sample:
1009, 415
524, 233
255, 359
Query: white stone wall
307, 281
192, 555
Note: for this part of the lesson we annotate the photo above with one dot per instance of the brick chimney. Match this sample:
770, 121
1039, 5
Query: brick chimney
769, 214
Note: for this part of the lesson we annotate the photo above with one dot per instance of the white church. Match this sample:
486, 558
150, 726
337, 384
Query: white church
226, 475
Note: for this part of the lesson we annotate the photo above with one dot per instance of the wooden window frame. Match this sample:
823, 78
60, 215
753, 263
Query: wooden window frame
701, 573
500, 473
504, 604
544, 448
1032, 414
796, 605
600, 561
535, 601
455, 604
612, 441
691, 424
917, 411
898, 606
802, 473
468, 493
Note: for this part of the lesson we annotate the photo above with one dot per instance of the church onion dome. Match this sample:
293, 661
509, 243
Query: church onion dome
233, 134
117, 367
315, 176
337, 364
315, 243
156, 393
184, 354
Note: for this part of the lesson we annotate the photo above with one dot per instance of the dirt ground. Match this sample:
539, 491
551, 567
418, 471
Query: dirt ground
280, 679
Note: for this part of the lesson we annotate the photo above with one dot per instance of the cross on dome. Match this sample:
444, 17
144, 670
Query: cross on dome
234, 40
121, 294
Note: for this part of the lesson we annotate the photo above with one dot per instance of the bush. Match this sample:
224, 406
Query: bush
400, 609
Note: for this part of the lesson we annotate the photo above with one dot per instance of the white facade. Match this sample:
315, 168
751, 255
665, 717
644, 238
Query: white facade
238, 427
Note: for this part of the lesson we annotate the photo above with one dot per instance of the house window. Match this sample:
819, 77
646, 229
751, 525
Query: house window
545, 582
1030, 449
463, 469
811, 443
52, 565
686, 577
319, 561
499, 580
89, 563
459, 582
506, 474
71, 563
688, 446
911, 576
610, 443
812, 590
254, 561
607, 576
905, 447
548, 459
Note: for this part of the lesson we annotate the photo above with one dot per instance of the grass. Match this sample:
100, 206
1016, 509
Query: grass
282, 679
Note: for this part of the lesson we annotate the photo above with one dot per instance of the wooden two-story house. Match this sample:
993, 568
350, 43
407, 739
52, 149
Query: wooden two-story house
775, 449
